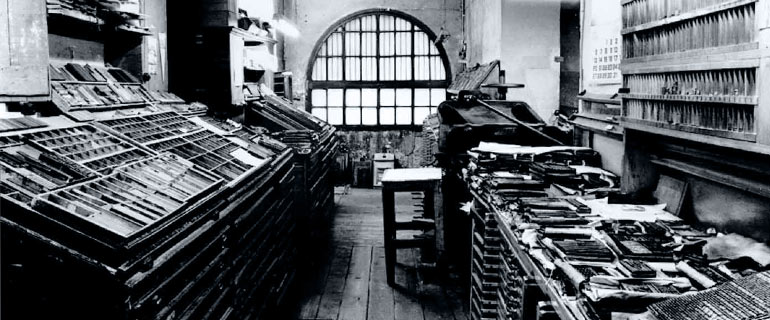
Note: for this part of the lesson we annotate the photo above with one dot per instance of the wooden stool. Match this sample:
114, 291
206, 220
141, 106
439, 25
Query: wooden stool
426, 180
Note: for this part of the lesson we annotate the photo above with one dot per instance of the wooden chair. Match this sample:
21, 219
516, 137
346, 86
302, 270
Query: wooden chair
426, 180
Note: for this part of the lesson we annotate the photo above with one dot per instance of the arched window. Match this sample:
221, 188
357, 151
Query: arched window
377, 68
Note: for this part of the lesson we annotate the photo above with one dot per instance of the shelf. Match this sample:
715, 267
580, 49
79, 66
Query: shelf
107, 106
250, 37
77, 15
725, 178
598, 124
687, 16
688, 56
668, 130
97, 82
743, 100
751, 137
126, 29
735, 60
600, 98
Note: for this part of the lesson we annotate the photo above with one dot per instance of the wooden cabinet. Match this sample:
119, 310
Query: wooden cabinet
698, 109
23, 51
694, 71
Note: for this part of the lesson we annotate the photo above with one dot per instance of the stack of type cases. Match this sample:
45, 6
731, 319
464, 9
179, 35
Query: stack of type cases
85, 87
142, 231
316, 144
511, 291
485, 266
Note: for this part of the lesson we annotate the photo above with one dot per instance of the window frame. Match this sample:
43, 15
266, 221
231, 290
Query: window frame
339, 26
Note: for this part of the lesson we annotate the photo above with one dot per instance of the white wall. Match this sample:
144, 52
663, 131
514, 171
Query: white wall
525, 36
530, 44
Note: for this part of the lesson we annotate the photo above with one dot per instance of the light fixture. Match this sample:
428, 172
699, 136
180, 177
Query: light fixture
442, 36
284, 26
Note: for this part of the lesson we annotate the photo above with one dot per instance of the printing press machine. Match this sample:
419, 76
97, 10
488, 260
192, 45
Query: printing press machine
145, 210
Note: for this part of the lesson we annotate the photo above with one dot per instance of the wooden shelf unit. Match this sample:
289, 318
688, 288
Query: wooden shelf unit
697, 74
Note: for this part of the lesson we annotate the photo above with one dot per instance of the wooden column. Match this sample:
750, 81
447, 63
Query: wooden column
23, 51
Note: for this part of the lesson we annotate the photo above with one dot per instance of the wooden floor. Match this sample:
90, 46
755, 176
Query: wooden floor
351, 284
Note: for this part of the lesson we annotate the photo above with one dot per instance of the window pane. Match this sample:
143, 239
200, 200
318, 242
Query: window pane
319, 113
387, 115
353, 116
386, 22
369, 116
319, 69
353, 69
335, 116
387, 71
421, 43
433, 50
403, 43
420, 113
404, 97
369, 97
437, 96
369, 44
387, 42
334, 44
422, 97
402, 24
387, 97
322, 51
421, 68
335, 69
318, 97
369, 69
404, 115
369, 23
335, 98
403, 69
352, 44
354, 25
353, 97
437, 69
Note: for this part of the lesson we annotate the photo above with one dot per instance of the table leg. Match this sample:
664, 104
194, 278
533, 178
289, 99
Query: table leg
389, 226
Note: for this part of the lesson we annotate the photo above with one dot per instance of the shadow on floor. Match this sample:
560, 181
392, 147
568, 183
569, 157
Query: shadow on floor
347, 279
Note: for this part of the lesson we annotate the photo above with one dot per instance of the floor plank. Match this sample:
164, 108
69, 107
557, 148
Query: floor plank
355, 297
432, 299
381, 303
407, 303
332, 290
329, 307
311, 299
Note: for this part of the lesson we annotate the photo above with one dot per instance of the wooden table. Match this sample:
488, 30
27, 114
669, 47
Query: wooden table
426, 180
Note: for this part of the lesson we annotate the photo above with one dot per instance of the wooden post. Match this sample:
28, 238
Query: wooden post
762, 111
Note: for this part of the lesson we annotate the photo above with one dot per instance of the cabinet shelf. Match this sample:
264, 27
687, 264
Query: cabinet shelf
251, 38
76, 15
727, 139
743, 100
695, 60
686, 16
718, 176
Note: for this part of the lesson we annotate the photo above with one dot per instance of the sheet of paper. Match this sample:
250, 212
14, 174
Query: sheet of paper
247, 158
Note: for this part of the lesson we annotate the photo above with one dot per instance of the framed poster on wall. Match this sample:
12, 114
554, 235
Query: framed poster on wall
603, 45
605, 54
